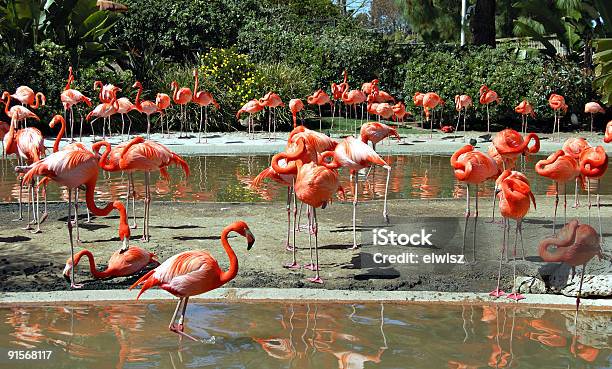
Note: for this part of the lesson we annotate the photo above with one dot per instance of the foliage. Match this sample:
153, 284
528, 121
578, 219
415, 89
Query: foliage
603, 69
433, 20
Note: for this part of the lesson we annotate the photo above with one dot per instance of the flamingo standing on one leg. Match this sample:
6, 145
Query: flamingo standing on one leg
120, 264
195, 272
574, 146
462, 102
319, 98
575, 245
181, 96
430, 101
203, 99
487, 96
162, 101
593, 108
71, 97
251, 107
418, 101
272, 100
510, 145
514, 204
146, 107
557, 103
472, 167
593, 165
75, 168
561, 168
296, 105
524, 109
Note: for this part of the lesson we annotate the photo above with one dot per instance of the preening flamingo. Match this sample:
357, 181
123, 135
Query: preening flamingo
203, 99
593, 108
162, 101
71, 97
319, 98
375, 132
181, 96
75, 168
296, 105
593, 165
367, 87
608, 134
399, 111
472, 167
430, 101
524, 109
557, 103
574, 146
514, 204
120, 264
561, 168
576, 244
251, 107
195, 272
510, 145
147, 107
272, 101
462, 102
488, 96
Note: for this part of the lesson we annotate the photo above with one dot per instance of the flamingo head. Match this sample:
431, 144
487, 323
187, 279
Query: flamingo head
56, 119
98, 84
137, 84
67, 270
243, 229
5, 95
195, 72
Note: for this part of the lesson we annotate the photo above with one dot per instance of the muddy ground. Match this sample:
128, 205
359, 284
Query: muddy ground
34, 262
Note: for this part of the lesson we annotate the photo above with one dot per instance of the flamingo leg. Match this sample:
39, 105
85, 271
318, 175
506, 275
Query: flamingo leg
601, 235
464, 130
178, 328
497, 292
147, 204
148, 127
520, 231
589, 200
123, 125
76, 215
457, 126
578, 295
28, 225
320, 119
467, 215
488, 122
556, 204
576, 200
564, 203
20, 180
288, 246
312, 265
385, 213
355, 200
515, 295
475, 224
35, 191
317, 278
294, 264
45, 212
69, 224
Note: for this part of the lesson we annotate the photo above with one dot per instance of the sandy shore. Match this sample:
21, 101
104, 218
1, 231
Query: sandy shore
34, 262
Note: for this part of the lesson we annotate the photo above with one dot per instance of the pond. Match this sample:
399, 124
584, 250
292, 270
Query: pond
228, 179
306, 335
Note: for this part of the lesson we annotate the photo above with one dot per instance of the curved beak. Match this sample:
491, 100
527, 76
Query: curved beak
66, 272
250, 239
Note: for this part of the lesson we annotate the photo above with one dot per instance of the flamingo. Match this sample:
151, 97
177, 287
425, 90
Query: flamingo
181, 96
561, 168
367, 87
120, 264
26, 96
399, 111
376, 132
124, 107
418, 101
524, 109
194, 272
17, 113
514, 204
593, 108
251, 107
462, 102
355, 155
487, 96
203, 99
608, 133
272, 101
319, 98
103, 110
574, 147
107, 94
430, 101
472, 167
594, 164
337, 90
510, 144
162, 101
147, 107
557, 103
4, 129
354, 97
71, 97
73, 169
380, 95
296, 105
142, 155
575, 245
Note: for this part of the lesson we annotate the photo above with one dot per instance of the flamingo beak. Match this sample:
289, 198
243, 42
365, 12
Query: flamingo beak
66, 272
125, 246
250, 238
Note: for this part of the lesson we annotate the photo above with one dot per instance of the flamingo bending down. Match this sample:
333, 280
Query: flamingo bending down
575, 245
296, 105
514, 204
557, 103
472, 167
181, 96
120, 264
594, 164
462, 102
146, 107
272, 101
75, 168
430, 101
561, 168
195, 272
162, 101
574, 146
487, 96
376, 132
203, 99
319, 98
593, 108
251, 107
524, 109
71, 97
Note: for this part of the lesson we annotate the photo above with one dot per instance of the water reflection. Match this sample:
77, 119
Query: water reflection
311, 336
228, 178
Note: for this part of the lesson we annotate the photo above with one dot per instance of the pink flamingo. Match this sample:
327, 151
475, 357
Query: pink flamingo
594, 164
593, 108
203, 99
319, 98
557, 103
107, 94
430, 101
124, 107
181, 96
4, 129
574, 146
251, 107
608, 133
354, 98
162, 101
337, 89
376, 132
399, 111
71, 97
103, 110
488, 96
272, 101
380, 96
418, 101
146, 107
462, 102
296, 105
17, 113
524, 109
195, 272
26, 96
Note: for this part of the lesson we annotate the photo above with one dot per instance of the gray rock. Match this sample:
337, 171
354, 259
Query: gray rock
530, 285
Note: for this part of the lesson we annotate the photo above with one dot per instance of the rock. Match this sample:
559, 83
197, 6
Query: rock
560, 278
593, 285
530, 285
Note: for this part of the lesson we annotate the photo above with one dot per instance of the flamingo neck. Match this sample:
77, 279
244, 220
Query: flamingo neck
195, 86
231, 272
91, 204
92, 264
59, 135
137, 102
104, 163
175, 87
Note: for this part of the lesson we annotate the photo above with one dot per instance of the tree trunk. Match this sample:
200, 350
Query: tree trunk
482, 23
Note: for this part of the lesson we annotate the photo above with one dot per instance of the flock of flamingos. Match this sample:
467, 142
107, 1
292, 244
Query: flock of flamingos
309, 168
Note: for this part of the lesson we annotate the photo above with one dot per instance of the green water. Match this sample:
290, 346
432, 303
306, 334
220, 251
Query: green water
331, 335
